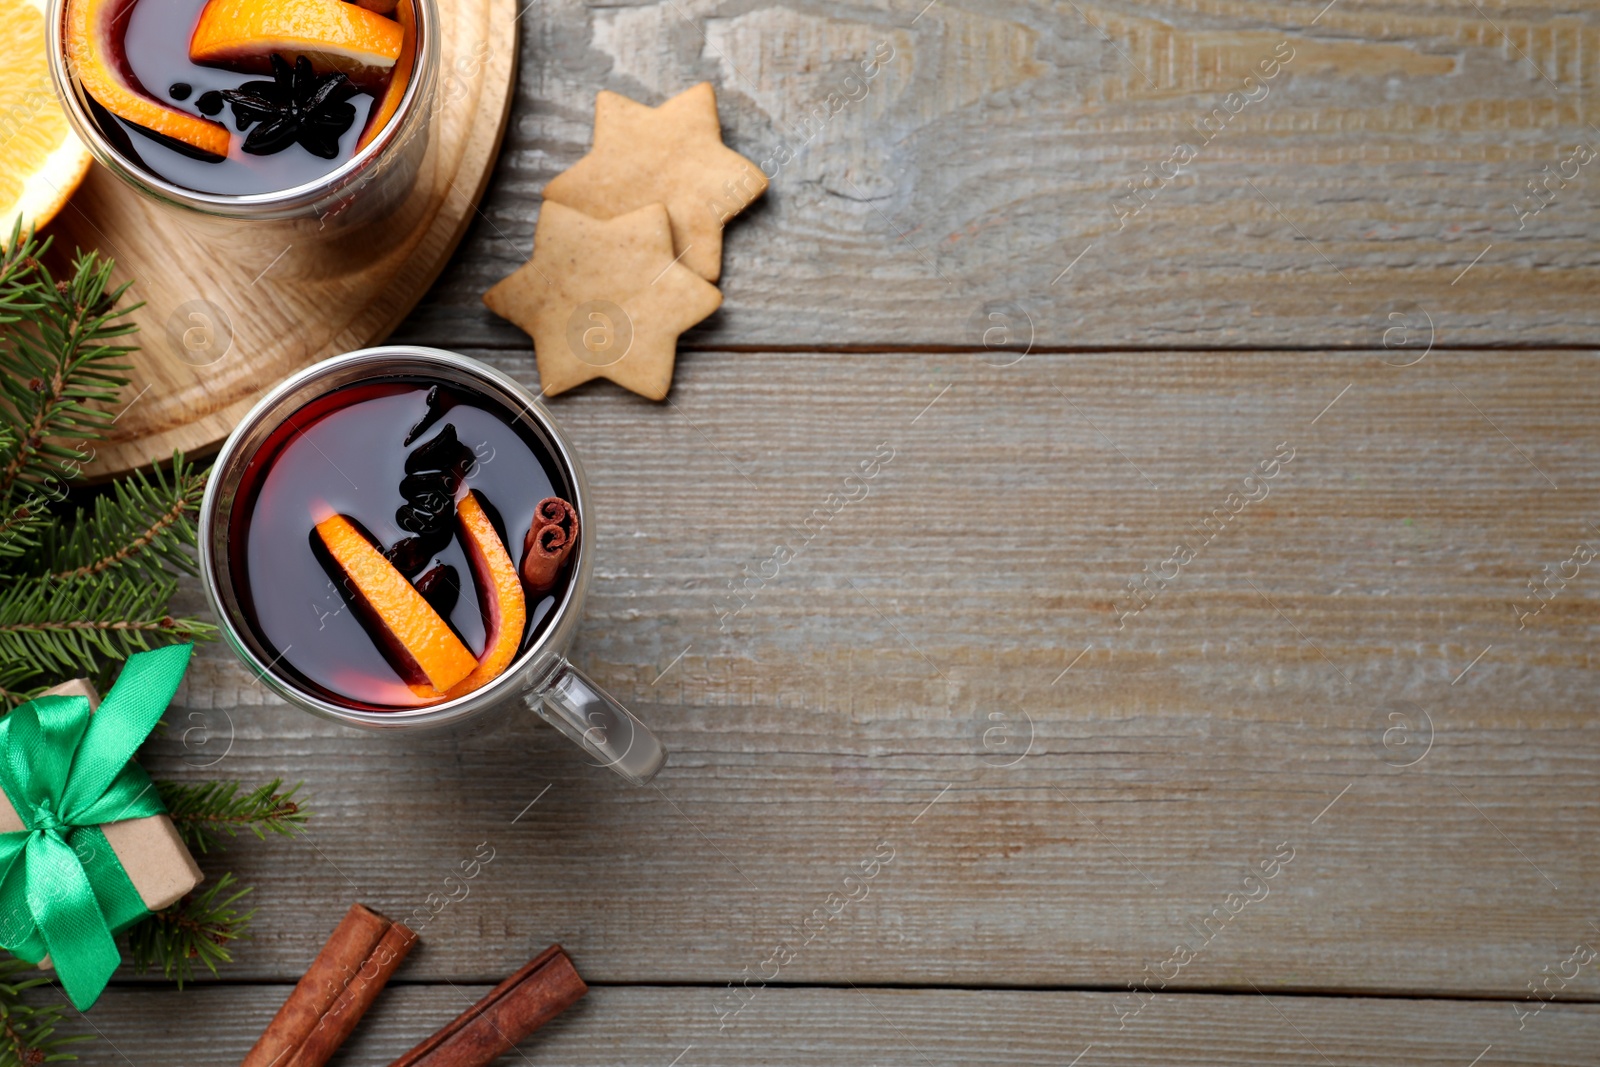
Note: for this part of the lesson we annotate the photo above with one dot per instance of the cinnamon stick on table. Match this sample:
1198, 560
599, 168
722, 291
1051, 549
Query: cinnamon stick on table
338, 987
515, 1008
341, 1018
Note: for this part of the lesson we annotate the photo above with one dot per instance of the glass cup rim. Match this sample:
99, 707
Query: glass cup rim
269, 204
535, 663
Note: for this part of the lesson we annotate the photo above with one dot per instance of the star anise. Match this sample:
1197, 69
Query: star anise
296, 105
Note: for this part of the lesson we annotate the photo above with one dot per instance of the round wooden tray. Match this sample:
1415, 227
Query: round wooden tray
226, 318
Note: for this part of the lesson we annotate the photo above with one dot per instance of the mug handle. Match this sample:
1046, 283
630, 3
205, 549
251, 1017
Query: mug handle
592, 719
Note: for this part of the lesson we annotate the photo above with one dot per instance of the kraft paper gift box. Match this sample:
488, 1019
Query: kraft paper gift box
157, 861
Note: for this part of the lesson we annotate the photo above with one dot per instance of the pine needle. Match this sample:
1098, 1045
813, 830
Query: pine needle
59, 362
141, 528
28, 1032
81, 588
200, 927
67, 628
207, 812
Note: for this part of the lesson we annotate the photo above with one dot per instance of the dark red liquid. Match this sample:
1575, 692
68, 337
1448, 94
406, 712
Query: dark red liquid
156, 44
344, 453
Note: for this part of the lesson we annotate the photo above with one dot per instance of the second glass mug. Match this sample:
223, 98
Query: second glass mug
368, 188
540, 677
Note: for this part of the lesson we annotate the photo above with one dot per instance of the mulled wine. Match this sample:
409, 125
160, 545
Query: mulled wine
403, 541
240, 97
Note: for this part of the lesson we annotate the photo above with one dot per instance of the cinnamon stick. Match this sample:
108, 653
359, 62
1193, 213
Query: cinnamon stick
351, 942
341, 1018
549, 542
515, 1008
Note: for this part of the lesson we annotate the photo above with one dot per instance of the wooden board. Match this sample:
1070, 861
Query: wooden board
989, 153
855, 700
271, 299
910, 1027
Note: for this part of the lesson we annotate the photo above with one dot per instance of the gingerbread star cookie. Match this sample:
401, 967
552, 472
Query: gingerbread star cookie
604, 298
672, 153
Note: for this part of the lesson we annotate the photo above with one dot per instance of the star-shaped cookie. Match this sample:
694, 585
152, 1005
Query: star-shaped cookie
604, 298
672, 153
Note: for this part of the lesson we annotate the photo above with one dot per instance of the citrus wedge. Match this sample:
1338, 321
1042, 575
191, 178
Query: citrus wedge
417, 641
333, 35
43, 160
94, 53
505, 609
395, 90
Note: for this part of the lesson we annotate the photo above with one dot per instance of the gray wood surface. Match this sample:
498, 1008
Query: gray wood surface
1073, 777
1384, 158
1338, 674
649, 1025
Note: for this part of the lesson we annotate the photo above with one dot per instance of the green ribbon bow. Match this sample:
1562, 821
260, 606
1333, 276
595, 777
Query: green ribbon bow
63, 892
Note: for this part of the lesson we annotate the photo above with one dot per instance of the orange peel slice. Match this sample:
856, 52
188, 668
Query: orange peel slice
94, 53
409, 628
505, 608
333, 35
395, 91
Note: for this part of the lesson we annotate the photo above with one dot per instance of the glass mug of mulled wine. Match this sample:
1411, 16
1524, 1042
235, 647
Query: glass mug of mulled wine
253, 109
398, 539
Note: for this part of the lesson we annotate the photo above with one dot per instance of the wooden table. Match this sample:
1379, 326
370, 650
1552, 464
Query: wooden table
1370, 673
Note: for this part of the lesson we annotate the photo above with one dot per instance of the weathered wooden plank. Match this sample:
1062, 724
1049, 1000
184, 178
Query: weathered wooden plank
995, 144
654, 1025
1339, 672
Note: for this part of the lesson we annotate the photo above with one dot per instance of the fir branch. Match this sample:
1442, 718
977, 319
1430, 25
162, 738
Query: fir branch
206, 812
142, 526
27, 1032
80, 626
18, 260
201, 926
20, 527
59, 364
80, 590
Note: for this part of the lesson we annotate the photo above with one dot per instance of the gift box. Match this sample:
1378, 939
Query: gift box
158, 863
86, 849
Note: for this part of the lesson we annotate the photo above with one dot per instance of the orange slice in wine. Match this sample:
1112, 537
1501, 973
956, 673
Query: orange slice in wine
505, 609
395, 90
411, 632
94, 53
333, 35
